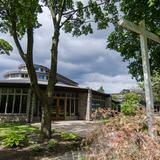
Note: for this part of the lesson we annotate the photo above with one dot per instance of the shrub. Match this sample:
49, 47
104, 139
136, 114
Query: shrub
132, 98
52, 144
69, 136
15, 140
130, 104
128, 109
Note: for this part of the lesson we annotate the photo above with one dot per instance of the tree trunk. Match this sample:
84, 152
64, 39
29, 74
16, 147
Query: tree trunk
46, 119
48, 100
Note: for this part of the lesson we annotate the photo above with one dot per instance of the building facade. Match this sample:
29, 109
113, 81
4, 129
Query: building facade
71, 102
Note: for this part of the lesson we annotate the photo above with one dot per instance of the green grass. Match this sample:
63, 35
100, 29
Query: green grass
69, 136
15, 128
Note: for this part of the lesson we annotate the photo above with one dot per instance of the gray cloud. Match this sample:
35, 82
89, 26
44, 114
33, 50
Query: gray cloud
84, 59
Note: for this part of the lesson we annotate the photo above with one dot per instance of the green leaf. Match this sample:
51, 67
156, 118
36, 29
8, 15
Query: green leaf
5, 47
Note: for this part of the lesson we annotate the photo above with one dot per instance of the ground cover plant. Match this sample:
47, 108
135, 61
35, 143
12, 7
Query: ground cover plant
69, 136
16, 135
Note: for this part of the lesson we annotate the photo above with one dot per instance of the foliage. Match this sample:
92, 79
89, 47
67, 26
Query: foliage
130, 104
101, 90
155, 86
128, 109
152, 2
19, 15
15, 140
127, 43
69, 136
5, 47
52, 144
7, 128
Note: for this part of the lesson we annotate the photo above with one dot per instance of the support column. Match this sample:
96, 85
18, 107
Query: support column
89, 105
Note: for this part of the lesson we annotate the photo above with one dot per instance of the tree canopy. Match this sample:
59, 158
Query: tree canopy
127, 43
101, 89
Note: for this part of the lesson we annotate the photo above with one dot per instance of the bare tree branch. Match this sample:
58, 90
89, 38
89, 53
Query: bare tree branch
68, 18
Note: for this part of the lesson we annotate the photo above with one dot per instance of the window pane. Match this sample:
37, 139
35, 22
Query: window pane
18, 90
25, 90
68, 107
11, 90
76, 107
41, 76
24, 104
4, 90
54, 105
72, 106
3, 103
9, 103
62, 104
17, 104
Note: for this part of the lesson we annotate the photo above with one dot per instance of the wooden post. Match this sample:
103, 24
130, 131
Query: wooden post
144, 34
147, 80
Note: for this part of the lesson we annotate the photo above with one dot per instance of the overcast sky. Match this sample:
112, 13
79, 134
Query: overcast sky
84, 59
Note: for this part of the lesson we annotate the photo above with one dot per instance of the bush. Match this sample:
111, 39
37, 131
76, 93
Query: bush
69, 136
52, 144
128, 109
15, 140
130, 104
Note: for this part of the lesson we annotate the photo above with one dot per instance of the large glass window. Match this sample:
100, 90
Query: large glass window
72, 107
24, 104
41, 76
3, 103
68, 107
13, 100
17, 104
9, 103
98, 101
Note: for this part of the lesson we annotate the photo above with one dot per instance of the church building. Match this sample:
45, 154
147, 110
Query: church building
71, 102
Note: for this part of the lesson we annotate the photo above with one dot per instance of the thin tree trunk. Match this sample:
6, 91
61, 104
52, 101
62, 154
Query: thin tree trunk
46, 119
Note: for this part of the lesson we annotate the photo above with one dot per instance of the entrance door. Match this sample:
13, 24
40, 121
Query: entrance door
58, 112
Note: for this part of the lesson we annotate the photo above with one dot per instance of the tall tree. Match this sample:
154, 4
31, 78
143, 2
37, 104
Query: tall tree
127, 42
101, 89
76, 18
19, 17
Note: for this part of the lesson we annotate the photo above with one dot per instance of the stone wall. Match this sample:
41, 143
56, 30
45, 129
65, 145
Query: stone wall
82, 105
109, 102
13, 118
